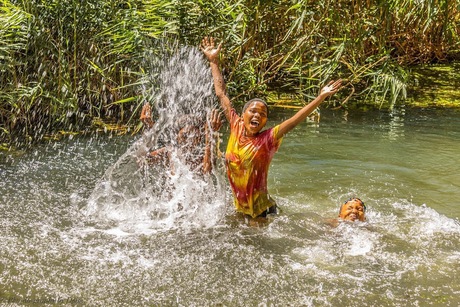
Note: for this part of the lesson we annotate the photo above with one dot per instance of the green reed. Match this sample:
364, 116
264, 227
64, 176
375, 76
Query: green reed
65, 63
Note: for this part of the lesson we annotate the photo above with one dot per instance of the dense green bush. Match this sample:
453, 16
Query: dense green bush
64, 63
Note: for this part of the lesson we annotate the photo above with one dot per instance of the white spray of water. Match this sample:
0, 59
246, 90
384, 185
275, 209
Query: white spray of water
137, 195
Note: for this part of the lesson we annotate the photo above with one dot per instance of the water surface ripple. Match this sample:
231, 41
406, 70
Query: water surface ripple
404, 164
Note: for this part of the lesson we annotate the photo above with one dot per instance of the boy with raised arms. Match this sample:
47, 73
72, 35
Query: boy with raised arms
250, 149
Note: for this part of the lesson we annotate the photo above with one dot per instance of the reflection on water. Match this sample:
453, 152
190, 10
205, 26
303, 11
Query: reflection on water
407, 253
396, 125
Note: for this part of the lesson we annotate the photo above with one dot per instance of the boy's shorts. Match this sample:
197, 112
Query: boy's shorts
272, 210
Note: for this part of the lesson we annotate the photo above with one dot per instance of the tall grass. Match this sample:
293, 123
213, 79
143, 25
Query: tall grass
64, 63
295, 46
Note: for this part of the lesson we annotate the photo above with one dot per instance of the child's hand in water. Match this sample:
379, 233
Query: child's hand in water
215, 119
146, 115
331, 88
209, 50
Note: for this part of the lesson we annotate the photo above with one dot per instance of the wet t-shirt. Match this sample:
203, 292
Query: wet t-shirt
247, 160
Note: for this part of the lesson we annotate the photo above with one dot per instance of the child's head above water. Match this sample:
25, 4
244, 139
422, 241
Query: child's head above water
255, 114
353, 209
247, 104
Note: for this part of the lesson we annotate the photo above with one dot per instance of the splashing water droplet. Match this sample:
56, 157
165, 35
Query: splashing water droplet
175, 193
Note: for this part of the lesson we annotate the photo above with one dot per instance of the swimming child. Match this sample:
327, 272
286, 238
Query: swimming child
353, 209
250, 149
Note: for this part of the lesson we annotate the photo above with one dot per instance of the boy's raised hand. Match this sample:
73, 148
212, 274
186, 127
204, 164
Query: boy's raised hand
331, 88
209, 49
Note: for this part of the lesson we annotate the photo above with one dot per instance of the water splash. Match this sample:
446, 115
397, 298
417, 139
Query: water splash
136, 194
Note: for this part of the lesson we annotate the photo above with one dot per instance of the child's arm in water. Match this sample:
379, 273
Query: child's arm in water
212, 54
215, 124
331, 88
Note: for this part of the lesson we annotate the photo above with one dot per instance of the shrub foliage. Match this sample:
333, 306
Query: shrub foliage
65, 63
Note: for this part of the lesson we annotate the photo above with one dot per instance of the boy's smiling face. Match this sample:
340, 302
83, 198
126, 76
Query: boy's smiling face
255, 118
352, 210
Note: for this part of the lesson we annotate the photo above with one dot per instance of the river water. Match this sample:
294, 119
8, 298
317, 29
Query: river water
64, 242
85, 222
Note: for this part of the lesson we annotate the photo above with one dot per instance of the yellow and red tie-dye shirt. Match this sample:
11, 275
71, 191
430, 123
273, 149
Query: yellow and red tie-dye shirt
247, 160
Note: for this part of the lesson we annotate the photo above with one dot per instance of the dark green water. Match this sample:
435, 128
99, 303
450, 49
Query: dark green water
59, 247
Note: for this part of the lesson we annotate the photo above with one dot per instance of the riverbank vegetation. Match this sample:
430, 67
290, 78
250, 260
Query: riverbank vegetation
67, 64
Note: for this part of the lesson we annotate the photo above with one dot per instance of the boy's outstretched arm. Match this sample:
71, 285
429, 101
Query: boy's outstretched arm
212, 54
331, 88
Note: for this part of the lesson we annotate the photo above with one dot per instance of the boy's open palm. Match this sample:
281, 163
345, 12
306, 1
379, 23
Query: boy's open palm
331, 88
209, 49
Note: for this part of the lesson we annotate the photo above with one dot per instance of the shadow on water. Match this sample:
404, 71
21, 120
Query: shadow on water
82, 223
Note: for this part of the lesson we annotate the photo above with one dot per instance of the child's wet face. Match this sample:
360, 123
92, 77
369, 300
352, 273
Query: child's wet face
352, 210
189, 136
255, 118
